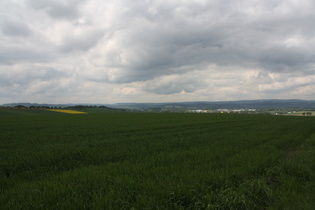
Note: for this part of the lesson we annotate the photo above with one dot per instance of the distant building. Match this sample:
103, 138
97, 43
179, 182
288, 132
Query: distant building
199, 111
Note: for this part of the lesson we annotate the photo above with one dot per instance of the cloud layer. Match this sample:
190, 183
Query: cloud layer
149, 51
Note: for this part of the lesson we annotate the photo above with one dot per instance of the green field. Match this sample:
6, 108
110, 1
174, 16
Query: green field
156, 161
301, 113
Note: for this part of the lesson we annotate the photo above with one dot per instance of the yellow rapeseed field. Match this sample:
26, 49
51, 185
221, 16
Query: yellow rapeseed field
67, 111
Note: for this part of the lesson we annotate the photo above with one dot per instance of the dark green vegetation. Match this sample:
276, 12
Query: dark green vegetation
94, 109
37, 111
11, 112
156, 161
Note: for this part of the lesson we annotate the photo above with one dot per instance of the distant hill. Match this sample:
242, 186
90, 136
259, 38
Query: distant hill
37, 105
245, 104
204, 105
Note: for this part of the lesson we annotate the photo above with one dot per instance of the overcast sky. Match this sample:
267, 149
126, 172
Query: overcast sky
95, 51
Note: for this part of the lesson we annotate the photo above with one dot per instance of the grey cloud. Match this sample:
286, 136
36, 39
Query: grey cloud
214, 33
285, 59
81, 42
157, 44
59, 9
15, 28
17, 76
171, 88
13, 55
172, 84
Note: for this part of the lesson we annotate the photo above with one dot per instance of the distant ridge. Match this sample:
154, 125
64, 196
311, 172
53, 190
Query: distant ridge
247, 104
36, 105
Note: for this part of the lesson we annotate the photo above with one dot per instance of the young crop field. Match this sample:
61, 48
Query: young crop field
156, 161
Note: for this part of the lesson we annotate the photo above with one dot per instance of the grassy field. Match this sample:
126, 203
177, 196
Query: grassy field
303, 113
156, 161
